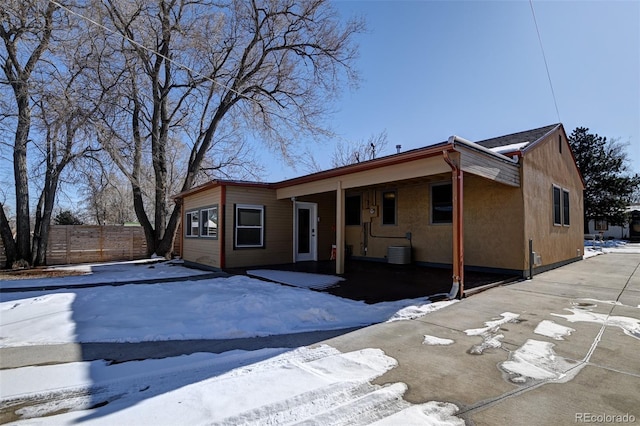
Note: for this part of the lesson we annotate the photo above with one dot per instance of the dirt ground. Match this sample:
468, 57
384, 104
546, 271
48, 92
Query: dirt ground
23, 274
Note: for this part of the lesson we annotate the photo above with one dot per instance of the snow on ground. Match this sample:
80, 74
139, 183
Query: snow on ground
436, 341
630, 326
114, 272
268, 386
297, 279
216, 308
490, 333
417, 311
594, 248
254, 387
553, 330
537, 360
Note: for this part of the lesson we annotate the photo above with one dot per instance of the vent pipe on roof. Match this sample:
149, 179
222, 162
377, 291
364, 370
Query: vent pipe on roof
398, 148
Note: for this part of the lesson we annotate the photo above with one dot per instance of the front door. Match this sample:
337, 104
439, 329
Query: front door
306, 240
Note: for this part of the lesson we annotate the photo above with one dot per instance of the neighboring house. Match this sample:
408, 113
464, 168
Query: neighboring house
485, 205
604, 228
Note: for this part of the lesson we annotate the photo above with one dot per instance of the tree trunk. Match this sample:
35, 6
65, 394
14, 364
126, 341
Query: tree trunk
7, 239
586, 225
23, 228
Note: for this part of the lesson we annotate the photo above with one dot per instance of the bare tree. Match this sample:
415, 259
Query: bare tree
349, 153
43, 60
196, 70
25, 30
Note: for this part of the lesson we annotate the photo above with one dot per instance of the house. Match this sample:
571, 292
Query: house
630, 230
510, 204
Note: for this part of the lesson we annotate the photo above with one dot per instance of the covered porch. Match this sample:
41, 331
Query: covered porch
375, 282
433, 241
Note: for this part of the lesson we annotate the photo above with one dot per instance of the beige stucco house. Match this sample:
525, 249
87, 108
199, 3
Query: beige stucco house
509, 204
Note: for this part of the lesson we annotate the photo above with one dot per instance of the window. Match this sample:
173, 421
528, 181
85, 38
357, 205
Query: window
561, 206
601, 225
441, 203
389, 208
557, 207
192, 224
209, 220
352, 210
249, 230
565, 207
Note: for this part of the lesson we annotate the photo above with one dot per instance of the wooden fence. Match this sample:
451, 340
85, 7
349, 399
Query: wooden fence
92, 243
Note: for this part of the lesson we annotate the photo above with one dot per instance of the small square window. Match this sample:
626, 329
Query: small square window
601, 225
249, 227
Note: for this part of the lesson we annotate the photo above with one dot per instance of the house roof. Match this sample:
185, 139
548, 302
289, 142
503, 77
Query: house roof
221, 182
495, 147
519, 140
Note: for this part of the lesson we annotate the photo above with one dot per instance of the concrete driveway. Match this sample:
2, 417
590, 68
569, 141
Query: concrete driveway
561, 349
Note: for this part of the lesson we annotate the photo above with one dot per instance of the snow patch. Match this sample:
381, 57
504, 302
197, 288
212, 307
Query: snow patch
436, 341
553, 330
417, 311
630, 326
490, 336
215, 308
537, 360
308, 385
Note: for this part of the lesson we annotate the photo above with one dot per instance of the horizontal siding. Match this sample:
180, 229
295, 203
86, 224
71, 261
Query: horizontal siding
278, 228
205, 251
491, 168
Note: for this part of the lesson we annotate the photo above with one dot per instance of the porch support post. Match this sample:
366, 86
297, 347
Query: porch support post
295, 230
339, 229
453, 159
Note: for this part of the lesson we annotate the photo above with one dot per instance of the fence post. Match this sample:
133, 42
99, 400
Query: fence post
67, 243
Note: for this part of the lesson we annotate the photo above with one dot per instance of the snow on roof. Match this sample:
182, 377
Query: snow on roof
509, 148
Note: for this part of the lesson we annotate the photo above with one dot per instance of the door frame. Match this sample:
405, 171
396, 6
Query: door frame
313, 232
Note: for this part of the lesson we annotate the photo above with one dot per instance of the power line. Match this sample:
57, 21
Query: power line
553, 94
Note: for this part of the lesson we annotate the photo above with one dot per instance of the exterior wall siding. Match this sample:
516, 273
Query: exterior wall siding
543, 167
492, 228
205, 251
278, 227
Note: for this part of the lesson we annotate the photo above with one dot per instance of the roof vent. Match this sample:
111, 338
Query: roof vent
398, 147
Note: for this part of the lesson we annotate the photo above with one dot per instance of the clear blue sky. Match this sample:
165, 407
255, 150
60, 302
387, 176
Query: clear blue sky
432, 69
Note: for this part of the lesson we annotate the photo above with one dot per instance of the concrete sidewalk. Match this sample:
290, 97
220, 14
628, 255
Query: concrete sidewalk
511, 371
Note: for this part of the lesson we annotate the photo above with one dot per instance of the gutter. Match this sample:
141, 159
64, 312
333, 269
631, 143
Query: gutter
457, 286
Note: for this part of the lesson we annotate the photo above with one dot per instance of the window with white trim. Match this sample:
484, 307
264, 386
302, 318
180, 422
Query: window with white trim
192, 227
209, 220
561, 206
249, 226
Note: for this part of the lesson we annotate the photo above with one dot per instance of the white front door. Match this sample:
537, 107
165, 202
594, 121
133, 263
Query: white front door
306, 239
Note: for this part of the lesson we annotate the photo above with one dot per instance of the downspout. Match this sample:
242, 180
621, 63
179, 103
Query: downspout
221, 225
457, 287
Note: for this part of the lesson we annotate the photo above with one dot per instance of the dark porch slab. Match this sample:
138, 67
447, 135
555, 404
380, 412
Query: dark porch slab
374, 282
